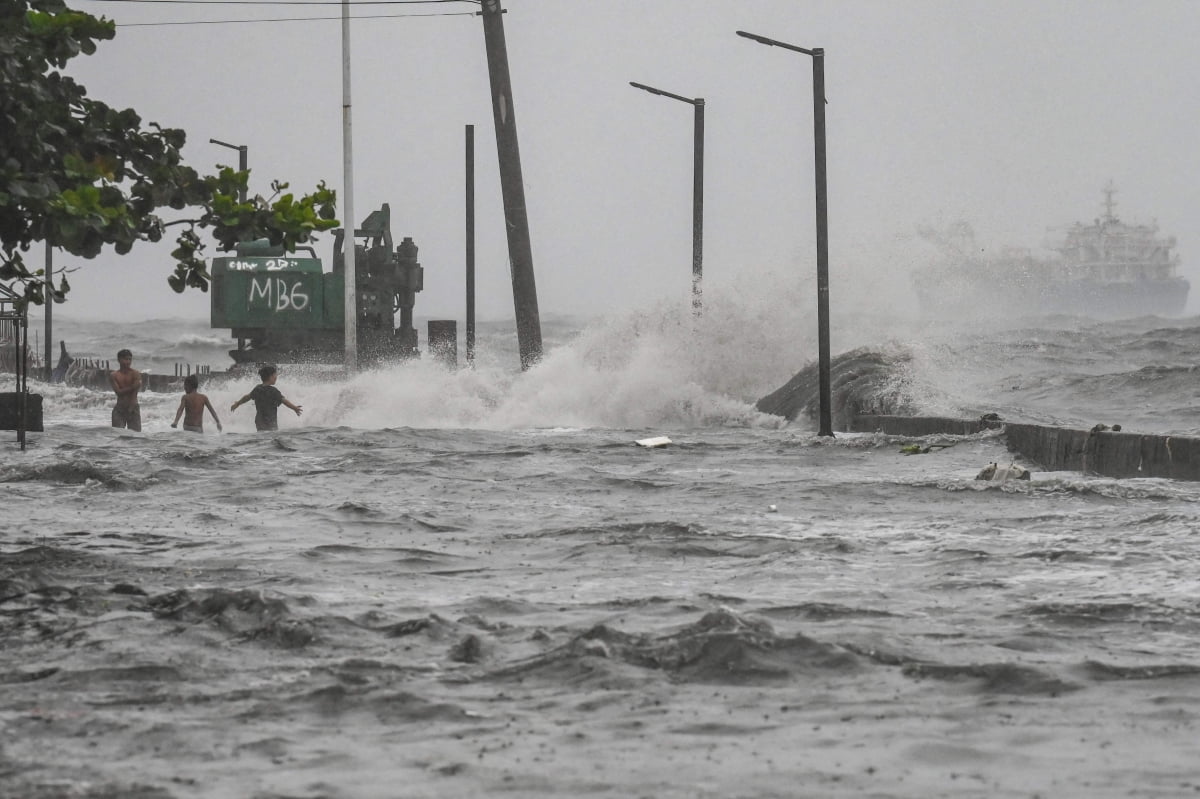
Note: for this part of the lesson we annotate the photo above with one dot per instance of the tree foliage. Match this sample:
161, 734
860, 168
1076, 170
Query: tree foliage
81, 175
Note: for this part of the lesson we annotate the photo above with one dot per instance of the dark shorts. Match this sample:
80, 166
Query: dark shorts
127, 416
194, 428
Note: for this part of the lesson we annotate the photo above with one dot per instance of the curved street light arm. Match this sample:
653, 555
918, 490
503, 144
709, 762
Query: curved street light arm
661, 93
777, 43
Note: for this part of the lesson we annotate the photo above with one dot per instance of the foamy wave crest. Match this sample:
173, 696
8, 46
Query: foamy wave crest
652, 369
722, 647
73, 472
202, 340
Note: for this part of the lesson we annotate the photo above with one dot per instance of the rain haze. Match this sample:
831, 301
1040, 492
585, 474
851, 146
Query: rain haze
1011, 116
459, 582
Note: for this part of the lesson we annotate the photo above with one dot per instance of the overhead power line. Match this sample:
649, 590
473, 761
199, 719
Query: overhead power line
292, 2
291, 19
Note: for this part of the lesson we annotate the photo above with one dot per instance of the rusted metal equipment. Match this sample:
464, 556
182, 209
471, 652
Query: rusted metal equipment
287, 309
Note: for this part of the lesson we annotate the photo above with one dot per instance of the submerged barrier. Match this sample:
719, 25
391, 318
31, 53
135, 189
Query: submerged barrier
93, 373
865, 400
1110, 453
96, 378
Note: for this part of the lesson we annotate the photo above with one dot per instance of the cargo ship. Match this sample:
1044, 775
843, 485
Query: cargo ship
1108, 269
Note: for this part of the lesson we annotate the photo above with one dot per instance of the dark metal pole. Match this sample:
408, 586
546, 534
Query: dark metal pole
49, 304
825, 389
23, 375
697, 103
470, 334
698, 210
818, 59
243, 159
512, 187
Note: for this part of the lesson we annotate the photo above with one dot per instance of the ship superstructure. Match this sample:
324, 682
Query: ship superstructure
1106, 269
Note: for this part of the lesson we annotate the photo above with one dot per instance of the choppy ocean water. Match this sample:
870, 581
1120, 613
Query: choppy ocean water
473, 583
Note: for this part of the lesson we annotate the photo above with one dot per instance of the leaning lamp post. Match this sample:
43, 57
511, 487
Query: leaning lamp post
818, 60
697, 189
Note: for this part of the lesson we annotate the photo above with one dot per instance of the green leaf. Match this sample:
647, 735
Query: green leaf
89, 176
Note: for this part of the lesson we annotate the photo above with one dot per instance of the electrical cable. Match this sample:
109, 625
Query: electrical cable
291, 2
290, 19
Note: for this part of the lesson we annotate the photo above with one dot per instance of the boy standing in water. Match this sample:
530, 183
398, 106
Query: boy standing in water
193, 403
267, 400
126, 383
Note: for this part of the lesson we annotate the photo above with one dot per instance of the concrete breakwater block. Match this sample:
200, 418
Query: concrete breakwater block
1113, 454
10, 412
1104, 452
921, 425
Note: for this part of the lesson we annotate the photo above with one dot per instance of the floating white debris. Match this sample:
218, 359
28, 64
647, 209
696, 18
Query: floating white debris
657, 441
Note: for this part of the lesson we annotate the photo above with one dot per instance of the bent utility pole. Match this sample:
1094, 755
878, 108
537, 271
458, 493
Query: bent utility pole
512, 187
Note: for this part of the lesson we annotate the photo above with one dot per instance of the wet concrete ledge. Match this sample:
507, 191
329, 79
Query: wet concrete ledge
1103, 452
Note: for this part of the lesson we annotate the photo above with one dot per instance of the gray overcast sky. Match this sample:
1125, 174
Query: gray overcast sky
1011, 115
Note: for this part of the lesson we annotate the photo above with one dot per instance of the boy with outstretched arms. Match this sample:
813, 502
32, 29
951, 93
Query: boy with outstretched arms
267, 400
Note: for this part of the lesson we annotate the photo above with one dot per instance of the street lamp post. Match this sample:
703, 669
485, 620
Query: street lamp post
350, 268
49, 289
242, 151
818, 59
697, 189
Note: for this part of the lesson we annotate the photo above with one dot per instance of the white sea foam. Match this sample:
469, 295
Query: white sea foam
661, 367
645, 371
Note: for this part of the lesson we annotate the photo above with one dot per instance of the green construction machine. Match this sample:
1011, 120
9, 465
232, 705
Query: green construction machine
284, 308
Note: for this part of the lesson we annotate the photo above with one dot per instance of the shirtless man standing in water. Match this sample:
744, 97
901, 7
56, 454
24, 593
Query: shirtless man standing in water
126, 382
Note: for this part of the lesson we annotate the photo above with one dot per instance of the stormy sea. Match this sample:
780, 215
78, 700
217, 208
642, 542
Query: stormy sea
472, 582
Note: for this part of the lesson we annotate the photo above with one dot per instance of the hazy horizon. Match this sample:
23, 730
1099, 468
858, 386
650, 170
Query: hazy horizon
1010, 116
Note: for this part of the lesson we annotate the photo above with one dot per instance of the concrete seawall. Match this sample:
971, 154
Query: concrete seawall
1104, 452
